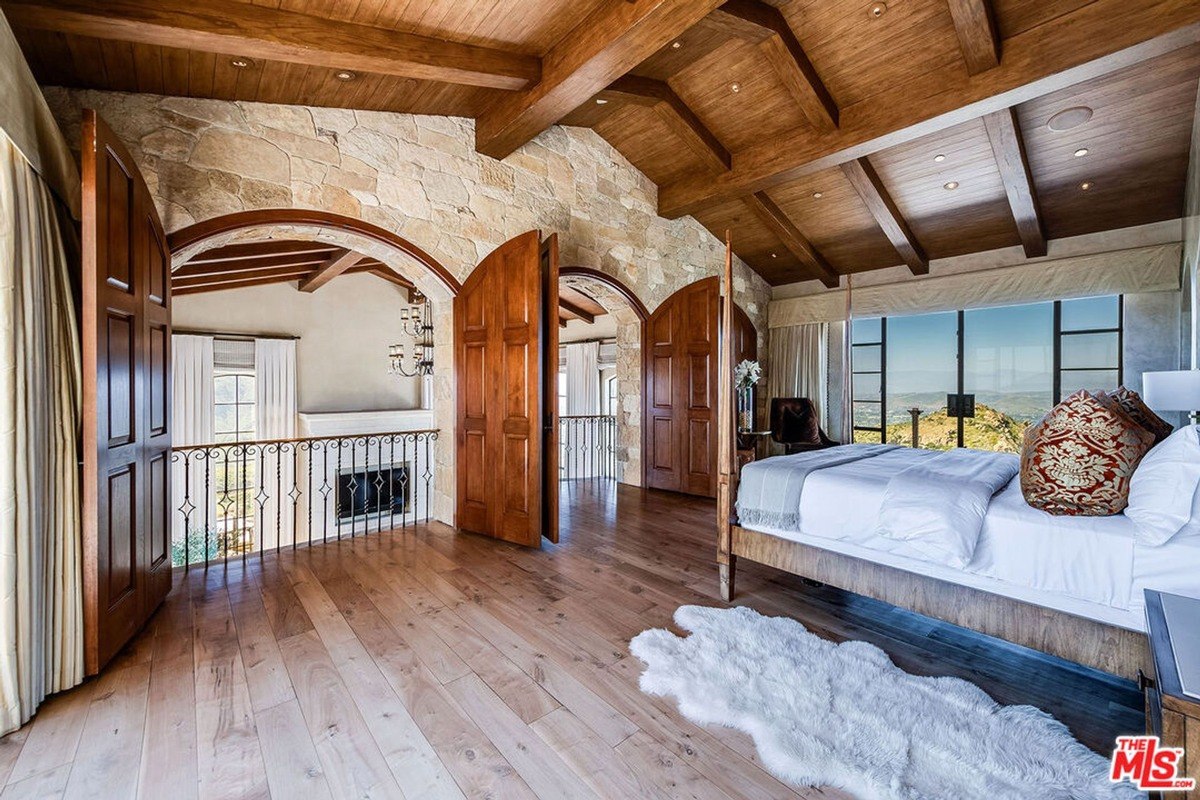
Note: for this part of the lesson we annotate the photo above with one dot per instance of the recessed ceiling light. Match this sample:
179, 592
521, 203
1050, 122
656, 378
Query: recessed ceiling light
1086, 186
600, 101
818, 195
951, 186
940, 157
735, 87
877, 10
774, 255
344, 75
1069, 118
1081, 152
676, 45
240, 63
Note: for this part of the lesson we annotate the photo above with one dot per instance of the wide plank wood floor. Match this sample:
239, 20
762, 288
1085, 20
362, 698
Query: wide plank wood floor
426, 664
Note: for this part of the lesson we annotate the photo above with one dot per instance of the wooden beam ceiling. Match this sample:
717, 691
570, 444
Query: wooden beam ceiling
773, 217
870, 188
674, 112
338, 263
606, 44
574, 311
975, 25
1004, 132
1096, 39
251, 31
756, 19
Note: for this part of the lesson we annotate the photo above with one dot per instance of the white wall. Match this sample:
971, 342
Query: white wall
345, 328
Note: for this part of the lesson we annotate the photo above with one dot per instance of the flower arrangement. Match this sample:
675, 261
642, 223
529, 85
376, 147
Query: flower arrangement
747, 374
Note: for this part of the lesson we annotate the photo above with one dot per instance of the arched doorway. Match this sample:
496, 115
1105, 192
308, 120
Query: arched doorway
619, 335
365, 266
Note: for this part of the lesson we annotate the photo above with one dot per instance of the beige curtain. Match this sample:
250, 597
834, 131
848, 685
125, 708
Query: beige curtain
799, 355
41, 615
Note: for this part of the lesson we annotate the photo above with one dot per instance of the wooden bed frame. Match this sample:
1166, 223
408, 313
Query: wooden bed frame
1095, 644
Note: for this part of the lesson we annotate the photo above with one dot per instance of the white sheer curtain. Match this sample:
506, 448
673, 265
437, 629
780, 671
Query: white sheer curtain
192, 422
583, 378
41, 607
275, 418
799, 358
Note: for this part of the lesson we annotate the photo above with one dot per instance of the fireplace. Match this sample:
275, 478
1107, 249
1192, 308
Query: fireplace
374, 491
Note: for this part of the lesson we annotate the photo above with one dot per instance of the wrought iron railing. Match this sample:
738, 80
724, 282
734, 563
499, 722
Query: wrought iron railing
242, 499
587, 447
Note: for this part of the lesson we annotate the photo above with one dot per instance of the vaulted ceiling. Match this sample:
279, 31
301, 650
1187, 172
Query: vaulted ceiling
831, 136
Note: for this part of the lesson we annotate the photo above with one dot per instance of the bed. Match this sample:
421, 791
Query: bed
986, 560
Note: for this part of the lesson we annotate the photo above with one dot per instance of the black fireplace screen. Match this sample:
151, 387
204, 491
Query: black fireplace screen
373, 491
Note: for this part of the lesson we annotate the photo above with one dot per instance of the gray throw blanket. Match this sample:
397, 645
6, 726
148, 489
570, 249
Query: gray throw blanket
769, 490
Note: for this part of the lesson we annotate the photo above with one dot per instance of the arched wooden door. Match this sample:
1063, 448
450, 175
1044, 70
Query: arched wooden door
503, 340
680, 387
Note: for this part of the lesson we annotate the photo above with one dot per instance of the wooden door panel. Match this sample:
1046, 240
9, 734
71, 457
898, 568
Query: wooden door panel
680, 381
548, 367
499, 335
126, 329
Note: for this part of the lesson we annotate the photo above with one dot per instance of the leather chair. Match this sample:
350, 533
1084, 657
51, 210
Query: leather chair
794, 425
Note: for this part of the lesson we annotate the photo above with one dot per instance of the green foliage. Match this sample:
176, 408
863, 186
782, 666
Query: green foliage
192, 550
988, 430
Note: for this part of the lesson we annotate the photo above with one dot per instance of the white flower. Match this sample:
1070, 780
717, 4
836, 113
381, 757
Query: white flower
747, 373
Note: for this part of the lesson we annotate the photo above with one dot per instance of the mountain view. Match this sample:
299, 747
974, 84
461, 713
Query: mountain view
989, 429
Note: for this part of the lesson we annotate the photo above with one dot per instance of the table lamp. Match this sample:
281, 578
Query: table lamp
1174, 390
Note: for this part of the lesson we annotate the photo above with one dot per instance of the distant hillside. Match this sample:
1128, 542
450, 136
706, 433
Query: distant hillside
988, 430
1024, 406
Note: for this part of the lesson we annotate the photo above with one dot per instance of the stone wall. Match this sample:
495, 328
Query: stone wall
420, 177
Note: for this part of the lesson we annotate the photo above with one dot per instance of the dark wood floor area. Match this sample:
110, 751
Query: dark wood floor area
422, 663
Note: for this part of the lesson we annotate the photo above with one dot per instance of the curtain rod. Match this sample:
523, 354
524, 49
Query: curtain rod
241, 336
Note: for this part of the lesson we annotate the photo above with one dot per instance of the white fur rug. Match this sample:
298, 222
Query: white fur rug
843, 715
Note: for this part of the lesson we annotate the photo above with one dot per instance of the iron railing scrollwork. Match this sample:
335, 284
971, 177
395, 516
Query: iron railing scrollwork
587, 447
241, 499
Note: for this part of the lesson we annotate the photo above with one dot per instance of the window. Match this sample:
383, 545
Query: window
233, 394
868, 378
562, 394
235, 471
1016, 361
611, 395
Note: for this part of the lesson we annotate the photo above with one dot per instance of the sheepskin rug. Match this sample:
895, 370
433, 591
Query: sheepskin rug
843, 715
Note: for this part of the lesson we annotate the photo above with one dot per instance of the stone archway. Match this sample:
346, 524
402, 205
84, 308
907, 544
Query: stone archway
630, 314
407, 259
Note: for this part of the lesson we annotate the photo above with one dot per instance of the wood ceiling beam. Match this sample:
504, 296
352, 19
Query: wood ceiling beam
773, 217
675, 113
977, 35
1094, 40
874, 194
253, 250
389, 275
572, 310
239, 284
754, 19
338, 263
194, 269
1004, 132
243, 29
606, 44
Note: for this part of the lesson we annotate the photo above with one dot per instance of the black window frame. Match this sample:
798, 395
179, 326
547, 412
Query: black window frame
1059, 334
881, 372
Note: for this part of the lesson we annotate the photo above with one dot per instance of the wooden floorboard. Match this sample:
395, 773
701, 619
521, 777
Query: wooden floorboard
422, 663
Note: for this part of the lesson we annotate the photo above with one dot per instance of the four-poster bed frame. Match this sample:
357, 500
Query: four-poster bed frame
1107, 647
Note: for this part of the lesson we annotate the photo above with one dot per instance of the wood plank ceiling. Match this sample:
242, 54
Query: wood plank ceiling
831, 136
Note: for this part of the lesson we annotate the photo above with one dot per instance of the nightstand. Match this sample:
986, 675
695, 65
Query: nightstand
1172, 715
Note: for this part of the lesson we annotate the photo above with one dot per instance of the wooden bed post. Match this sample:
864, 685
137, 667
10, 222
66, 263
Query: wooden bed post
726, 430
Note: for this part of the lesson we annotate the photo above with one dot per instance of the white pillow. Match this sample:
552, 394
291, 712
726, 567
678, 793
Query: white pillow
1164, 493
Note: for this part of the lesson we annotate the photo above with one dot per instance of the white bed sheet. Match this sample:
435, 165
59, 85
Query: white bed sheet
1089, 566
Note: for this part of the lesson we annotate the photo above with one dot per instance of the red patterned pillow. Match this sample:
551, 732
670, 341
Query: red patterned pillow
1133, 405
1078, 460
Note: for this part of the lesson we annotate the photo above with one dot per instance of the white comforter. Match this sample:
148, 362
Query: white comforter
938, 505
934, 504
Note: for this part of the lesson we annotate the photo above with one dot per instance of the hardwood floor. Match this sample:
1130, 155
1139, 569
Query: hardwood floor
422, 663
